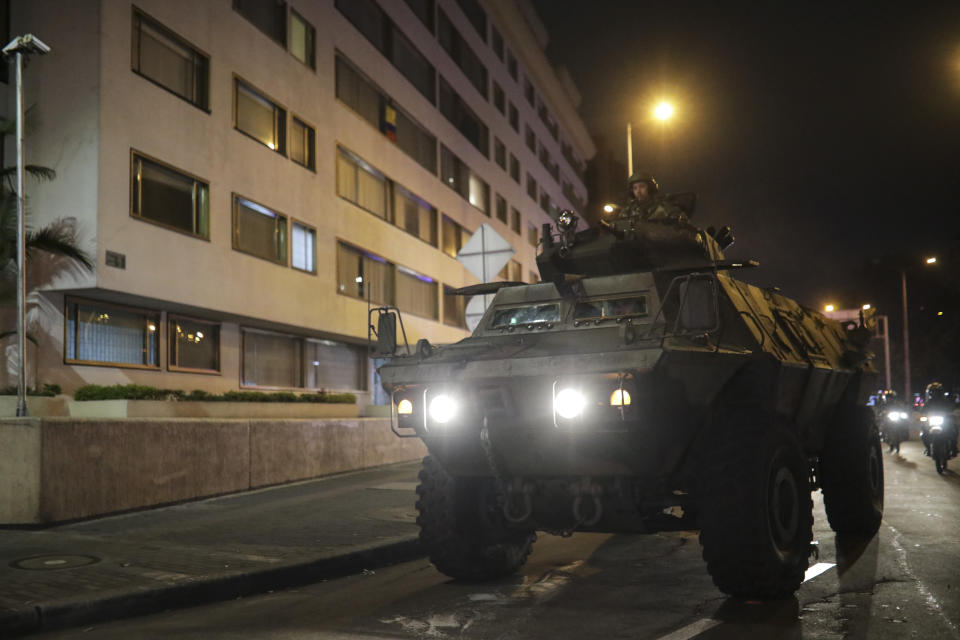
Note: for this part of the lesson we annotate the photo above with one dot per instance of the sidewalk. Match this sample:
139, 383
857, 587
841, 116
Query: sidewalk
215, 549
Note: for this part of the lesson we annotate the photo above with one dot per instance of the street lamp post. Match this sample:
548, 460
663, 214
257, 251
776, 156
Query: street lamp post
906, 332
663, 112
20, 46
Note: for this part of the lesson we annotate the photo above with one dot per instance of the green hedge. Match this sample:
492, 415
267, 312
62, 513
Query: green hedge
47, 391
144, 392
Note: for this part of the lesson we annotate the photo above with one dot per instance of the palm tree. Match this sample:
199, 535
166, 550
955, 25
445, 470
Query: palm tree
56, 238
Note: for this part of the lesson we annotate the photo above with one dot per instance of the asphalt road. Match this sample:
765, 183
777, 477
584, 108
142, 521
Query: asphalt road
903, 583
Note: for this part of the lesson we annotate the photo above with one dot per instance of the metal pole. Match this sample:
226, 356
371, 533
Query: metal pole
906, 339
21, 254
629, 150
886, 348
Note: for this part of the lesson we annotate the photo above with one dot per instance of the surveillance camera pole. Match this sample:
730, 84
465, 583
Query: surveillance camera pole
18, 46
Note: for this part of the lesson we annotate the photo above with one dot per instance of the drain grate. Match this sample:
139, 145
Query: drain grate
46, 563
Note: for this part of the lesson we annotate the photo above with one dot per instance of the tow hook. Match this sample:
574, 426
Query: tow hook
587, 489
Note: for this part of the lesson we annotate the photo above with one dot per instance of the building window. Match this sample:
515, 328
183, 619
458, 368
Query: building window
259, 117
500, 153
512, 67
531, 138
532, 187
515, 220
416, 294
364, 275
275, 360
414, 215
424, 10
454, 308
303, 39
194, 345
270, 16
514, 168
170, 198
461, 53
476, 15
303, 143
514, 118
501, 209
100, 333
452, 237
454, 109
259, 231
271, 360
545, 202
374, 24
532, 235
168, 60
361, 184
374, 106
496, 42
458, 176
529, 92
499, 98
303, 248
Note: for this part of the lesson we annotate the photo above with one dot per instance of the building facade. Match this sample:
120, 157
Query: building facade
252, 175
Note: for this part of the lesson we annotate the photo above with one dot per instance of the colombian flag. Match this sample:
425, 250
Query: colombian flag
390, 122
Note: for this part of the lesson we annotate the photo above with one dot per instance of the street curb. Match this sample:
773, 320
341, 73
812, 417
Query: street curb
47, 617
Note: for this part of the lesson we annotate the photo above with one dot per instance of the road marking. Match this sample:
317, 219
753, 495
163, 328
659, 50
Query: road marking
691, 630
817, 569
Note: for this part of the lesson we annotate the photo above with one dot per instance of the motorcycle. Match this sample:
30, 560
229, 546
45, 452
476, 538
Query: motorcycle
942, 439
894, 427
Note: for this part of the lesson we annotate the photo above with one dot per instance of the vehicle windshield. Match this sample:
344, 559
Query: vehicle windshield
635, 306
532, 314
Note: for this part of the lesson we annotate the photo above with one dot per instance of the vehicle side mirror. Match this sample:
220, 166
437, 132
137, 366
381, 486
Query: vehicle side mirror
387, 333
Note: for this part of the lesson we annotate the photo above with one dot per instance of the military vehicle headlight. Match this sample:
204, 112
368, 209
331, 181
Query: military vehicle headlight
620, 398
404, 407
936, 421
568, 403
443, 409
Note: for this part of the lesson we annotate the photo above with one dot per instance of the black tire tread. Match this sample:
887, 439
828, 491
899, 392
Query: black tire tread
740, 556
851, 506
459, 544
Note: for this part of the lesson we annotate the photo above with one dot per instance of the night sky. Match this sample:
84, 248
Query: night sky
826, 134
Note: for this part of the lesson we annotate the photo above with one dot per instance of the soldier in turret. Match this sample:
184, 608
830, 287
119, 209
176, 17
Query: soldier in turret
646, 203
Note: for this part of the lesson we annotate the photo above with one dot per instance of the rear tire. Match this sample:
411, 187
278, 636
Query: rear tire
851, 468
756, 510
463, 529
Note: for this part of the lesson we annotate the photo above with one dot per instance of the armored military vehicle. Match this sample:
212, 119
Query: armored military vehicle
638, 388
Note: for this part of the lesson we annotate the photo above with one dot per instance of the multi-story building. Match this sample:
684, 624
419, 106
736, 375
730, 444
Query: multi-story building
251, 175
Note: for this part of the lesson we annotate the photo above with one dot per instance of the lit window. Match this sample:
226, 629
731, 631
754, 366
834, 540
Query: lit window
302, 38
170, 198
159, 55
361, 184
303, 248
99, 333
302, 143
260, 118
194, 345
259, 231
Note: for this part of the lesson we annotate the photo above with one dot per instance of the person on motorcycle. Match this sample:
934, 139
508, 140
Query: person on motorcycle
936, 402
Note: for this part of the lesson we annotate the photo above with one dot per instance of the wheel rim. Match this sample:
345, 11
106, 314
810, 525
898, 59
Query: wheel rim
784, 508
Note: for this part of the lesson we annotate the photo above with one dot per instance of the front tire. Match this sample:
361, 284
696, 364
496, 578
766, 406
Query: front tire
462, 527
756, 510
852, 474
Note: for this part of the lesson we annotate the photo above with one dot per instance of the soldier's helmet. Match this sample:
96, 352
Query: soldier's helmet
642, 176
934, 391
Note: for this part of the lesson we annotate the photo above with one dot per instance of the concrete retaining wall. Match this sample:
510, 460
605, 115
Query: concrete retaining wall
55, 469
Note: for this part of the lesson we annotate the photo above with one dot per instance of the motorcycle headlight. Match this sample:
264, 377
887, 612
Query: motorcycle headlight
936, 421
443, 408
568, 403
903, 415
893, 416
